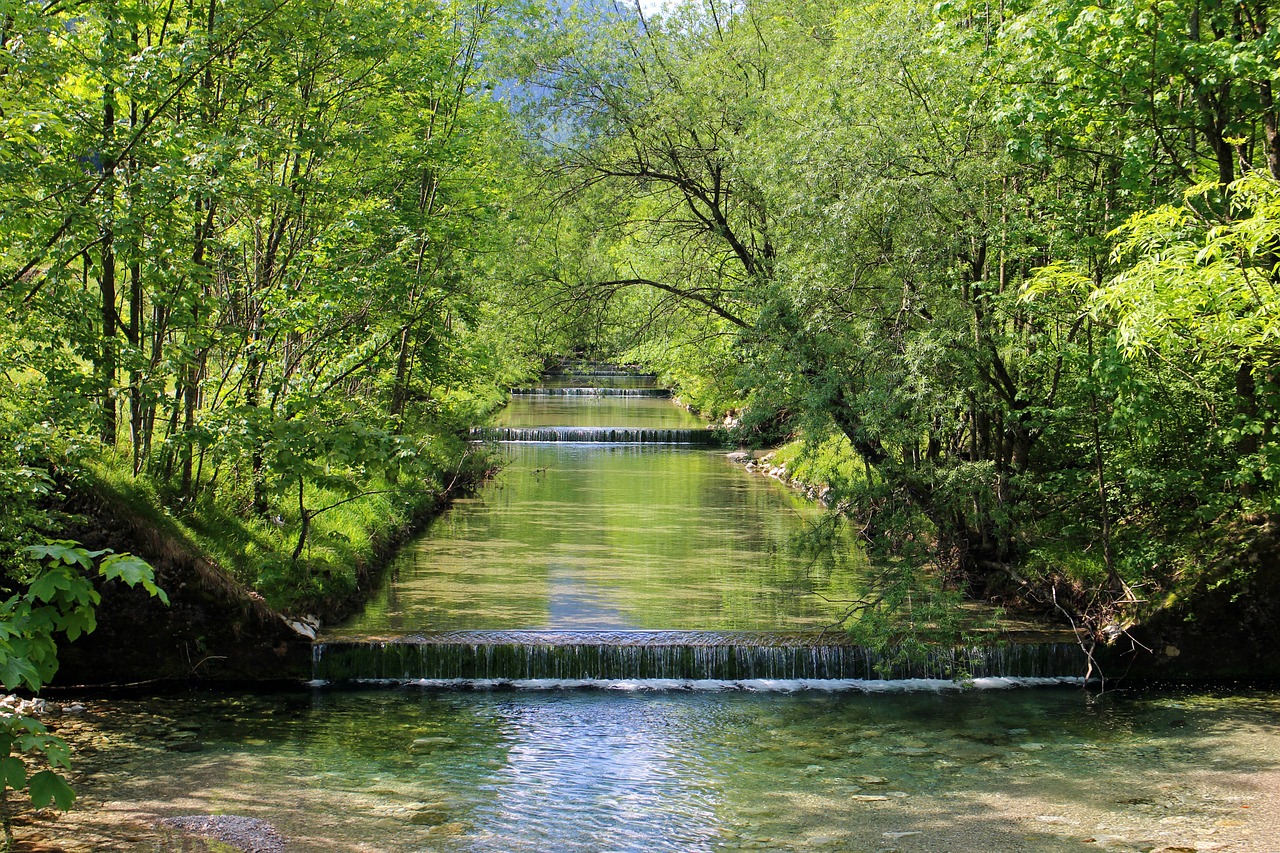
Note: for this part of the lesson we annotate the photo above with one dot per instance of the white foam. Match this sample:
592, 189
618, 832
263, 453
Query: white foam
758, 685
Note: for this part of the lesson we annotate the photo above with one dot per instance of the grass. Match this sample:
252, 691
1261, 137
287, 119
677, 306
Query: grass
350, 530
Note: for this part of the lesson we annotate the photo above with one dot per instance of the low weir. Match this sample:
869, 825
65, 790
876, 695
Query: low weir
688, 656
598, 435
596, 370
659, 393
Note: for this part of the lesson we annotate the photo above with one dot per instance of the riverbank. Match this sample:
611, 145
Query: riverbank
1217, 618
241, 608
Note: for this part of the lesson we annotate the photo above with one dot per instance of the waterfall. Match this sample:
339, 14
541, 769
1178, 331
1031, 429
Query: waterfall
591, 392
610, 435
597, 370
689, 656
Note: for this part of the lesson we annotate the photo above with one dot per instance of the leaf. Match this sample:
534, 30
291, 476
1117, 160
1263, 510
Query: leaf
47, 786
48, 586
16, 670
133, 571
63, 551
13, 772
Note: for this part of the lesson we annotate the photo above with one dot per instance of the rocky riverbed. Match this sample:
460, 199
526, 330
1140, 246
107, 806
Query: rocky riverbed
809, 775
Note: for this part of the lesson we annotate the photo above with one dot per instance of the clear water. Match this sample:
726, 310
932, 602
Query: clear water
578, 536
592, 380
627, 538
590, 771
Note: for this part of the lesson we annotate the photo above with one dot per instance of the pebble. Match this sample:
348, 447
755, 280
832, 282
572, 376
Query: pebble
15, 705
248, 834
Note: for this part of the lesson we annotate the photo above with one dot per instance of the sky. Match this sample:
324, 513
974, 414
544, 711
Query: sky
653, 6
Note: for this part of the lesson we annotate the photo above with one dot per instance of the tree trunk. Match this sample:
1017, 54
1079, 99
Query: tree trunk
108, 356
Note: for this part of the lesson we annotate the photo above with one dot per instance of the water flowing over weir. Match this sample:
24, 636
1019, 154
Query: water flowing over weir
618, 548
597, 435
658, 393
734, 659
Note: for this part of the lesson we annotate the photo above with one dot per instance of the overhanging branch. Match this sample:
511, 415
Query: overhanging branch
715, 308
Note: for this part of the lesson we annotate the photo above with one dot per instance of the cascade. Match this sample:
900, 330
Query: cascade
597, 435
599, 370
658, 393
599, 546
612, 656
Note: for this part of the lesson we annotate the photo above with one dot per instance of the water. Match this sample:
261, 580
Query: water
620, 379
550, 771
748, 660
620, 647
595, 411
596, 435
660, 560
617, 536
590, 392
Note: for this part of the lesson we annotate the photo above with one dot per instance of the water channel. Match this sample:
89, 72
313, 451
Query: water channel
473, 706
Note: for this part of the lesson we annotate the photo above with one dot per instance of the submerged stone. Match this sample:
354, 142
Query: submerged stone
428, 818
185, 746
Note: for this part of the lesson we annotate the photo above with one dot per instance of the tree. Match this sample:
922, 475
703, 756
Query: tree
861, 259
227, 219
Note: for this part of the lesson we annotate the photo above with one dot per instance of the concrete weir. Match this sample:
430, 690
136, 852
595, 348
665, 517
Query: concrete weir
610, 656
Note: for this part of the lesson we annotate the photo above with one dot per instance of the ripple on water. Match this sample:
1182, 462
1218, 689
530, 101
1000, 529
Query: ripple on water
582, 771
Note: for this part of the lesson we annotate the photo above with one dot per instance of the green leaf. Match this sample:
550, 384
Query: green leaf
49, 586
13, 772
133, 571
47, 786
65, 551
18, 670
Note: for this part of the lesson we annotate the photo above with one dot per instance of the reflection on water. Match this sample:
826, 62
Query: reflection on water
601, 537
588, 771
607, 536
596, 380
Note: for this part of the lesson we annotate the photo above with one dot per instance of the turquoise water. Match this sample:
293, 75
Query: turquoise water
590, 771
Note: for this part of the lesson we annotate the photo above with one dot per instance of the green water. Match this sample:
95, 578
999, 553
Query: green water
590, 771
592, 380
573, 536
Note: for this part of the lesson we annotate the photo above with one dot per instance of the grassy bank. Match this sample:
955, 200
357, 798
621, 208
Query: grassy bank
1180, 602
350, 531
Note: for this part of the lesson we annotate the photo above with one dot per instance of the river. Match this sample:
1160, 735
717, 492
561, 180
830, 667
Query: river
620, 547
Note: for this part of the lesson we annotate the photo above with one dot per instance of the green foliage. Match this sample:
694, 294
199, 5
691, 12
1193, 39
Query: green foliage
827, 460
1205, 283
247, 262
951, 235
274, 261
59, 600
